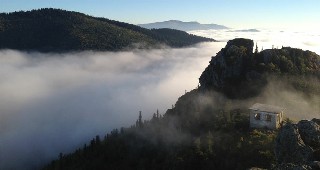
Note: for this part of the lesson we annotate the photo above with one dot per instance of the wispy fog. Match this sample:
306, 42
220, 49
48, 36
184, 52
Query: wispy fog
298, 105
279, 92
306, 40
52, 103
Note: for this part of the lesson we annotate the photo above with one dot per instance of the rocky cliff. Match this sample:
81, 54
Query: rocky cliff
239, 72
232, 69
227, 64
298, 145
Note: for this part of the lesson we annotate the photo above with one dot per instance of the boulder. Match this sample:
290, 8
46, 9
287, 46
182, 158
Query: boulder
290, 148
290, 166
310, 133
298, 146
315, 165
316, 121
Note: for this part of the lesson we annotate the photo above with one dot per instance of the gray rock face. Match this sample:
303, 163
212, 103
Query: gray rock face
298, 146
310, 133
227, 64
290, 148
317, 121
290, 166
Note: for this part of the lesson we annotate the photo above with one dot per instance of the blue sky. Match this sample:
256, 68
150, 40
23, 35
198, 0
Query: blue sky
233, 13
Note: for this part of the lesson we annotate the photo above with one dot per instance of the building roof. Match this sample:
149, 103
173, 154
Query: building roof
267, 108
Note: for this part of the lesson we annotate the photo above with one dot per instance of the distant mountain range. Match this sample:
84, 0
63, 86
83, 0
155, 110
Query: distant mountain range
183, 26
245, 30
59, 30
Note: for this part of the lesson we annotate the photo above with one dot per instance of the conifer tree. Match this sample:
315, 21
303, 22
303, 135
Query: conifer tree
256, 50
140, 120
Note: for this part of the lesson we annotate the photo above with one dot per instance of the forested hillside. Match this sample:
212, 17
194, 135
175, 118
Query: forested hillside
60, 30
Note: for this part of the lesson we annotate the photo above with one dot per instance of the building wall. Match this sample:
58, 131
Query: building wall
279, 119
274, 122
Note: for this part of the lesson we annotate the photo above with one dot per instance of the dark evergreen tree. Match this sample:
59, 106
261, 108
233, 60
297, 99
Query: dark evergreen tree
256, 50
140, 123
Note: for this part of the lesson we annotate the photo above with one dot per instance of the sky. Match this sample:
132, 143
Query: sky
284, 14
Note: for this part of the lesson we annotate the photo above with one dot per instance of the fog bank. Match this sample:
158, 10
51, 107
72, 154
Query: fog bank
266, 38
52, 103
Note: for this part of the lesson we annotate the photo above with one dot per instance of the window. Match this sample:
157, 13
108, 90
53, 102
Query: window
257, 116
268, 117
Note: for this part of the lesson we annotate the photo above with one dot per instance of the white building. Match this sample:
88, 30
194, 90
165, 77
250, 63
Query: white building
265, 116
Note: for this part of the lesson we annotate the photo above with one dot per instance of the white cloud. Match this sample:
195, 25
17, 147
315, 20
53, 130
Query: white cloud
52, 103
267, 38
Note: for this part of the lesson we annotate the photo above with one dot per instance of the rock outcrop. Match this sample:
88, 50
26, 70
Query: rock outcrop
239, 72
310, 133
232, 71
227, 64
298, 146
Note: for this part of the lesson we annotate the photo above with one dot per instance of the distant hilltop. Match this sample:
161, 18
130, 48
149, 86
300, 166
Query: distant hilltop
52, 30
245, 30
183, 26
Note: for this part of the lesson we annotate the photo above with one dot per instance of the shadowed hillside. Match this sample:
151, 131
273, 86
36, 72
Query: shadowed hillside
60, 30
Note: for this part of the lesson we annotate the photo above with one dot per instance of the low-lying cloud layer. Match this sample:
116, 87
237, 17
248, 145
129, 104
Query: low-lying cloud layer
267, 39
52, 103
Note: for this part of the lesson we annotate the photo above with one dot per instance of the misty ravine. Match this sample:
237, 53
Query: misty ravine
52, 103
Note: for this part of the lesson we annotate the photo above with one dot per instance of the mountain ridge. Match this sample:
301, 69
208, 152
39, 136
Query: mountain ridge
51, 30
183, 26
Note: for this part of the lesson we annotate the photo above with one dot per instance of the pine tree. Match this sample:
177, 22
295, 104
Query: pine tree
256, 50
140, 120
98, 141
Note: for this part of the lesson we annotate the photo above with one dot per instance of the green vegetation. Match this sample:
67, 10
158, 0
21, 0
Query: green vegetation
288, 61
290, 67
60, 30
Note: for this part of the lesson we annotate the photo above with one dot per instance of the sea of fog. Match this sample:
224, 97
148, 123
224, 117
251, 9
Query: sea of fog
266, 39
52, 103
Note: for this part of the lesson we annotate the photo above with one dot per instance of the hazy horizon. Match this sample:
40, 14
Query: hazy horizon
268, 38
